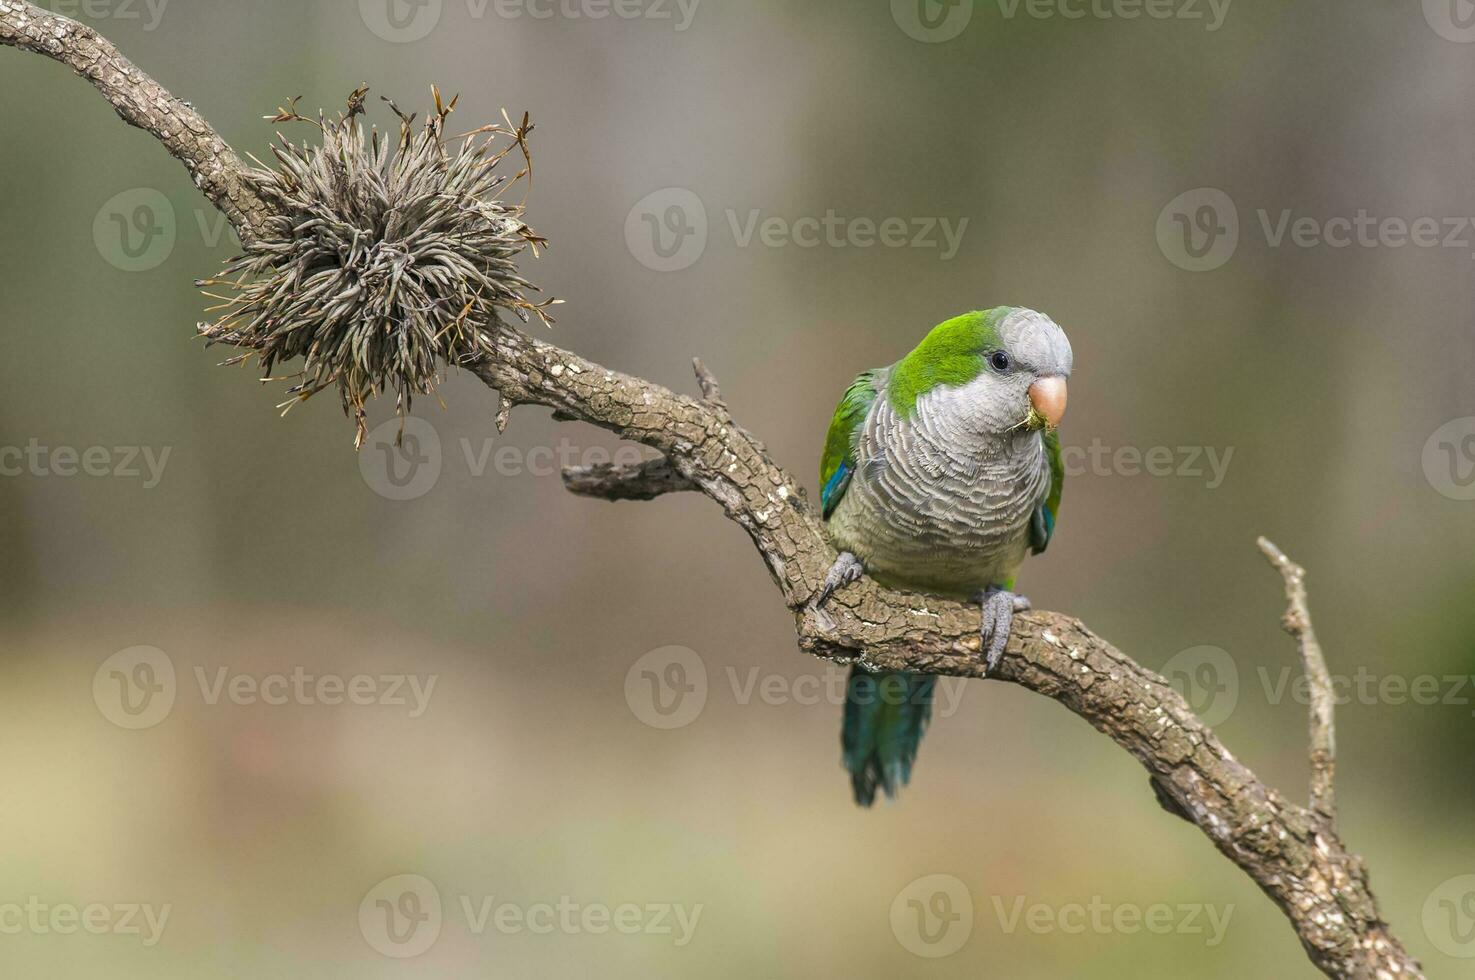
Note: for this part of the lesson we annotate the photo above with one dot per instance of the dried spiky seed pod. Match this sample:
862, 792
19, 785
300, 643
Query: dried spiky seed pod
384, 259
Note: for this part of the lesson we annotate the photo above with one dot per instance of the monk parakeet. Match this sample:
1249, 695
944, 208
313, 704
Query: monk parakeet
940, 473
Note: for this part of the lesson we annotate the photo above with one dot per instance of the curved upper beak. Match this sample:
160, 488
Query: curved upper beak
1048, 396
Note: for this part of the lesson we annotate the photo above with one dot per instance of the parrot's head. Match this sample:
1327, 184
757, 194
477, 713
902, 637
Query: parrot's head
1027, 368
1002, 370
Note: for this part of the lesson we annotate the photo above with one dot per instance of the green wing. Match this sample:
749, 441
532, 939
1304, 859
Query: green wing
838, 463
1042, 527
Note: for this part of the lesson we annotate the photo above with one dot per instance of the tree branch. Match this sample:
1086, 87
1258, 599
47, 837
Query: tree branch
1294, 854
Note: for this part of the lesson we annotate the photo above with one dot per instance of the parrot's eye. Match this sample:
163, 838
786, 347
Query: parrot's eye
999, 361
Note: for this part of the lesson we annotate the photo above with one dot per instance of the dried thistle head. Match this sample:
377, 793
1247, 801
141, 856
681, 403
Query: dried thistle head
384, 258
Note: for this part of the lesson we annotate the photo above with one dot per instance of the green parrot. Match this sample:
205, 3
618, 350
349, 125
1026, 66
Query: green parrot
940, 474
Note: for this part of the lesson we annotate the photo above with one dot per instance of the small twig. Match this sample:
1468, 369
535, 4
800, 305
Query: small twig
711, 393
617, 481
1297, 622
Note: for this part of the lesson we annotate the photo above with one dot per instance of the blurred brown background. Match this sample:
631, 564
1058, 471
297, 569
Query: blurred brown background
1337, 377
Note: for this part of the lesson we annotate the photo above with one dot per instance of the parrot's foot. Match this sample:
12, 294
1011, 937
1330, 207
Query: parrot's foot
847, 569
999, 607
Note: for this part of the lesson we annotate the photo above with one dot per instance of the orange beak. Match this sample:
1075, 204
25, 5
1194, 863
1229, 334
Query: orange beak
1048, 397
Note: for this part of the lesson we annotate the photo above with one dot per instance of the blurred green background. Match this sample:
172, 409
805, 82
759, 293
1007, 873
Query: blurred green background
1337, 377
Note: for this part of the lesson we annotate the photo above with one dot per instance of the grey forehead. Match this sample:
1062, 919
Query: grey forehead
1037, 341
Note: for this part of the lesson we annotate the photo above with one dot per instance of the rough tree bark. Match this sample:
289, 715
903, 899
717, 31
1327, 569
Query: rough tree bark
1293, 852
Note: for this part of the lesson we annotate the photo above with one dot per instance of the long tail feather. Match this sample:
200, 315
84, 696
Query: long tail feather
885, 717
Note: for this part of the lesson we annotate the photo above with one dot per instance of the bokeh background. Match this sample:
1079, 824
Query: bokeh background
1334, 380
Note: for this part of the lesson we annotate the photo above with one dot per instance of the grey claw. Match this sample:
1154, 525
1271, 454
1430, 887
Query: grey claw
847, 569
999, 607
